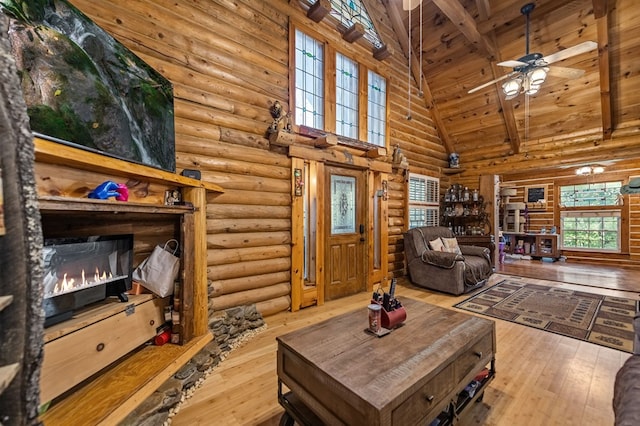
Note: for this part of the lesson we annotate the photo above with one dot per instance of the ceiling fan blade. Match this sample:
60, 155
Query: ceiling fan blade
489, 83
511, 64
410, 4
565, 72
578, 49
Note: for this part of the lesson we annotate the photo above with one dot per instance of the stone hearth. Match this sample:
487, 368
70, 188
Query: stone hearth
229, 328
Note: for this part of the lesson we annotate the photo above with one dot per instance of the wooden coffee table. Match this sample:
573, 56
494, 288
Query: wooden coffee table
338, 373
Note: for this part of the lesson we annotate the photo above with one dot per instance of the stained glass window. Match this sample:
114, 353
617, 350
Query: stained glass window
377, 110
343, 204
346, 97
349, 12
309, 81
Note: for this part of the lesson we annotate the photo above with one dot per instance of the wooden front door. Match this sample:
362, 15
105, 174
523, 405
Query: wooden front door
345, 230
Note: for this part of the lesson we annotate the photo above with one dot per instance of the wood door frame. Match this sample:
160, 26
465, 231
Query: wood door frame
377, 173
360, 235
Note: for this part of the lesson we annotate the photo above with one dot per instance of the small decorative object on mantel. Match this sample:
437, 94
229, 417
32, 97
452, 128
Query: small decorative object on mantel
389, 315
110, 189
172, 197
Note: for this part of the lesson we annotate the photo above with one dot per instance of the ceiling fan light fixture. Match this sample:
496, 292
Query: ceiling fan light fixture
538, 76
532, 89
511, 88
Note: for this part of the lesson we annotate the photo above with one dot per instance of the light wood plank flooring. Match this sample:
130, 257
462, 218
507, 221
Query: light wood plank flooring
542, 378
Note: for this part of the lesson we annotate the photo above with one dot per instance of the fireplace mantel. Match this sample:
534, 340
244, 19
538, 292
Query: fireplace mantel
64, 176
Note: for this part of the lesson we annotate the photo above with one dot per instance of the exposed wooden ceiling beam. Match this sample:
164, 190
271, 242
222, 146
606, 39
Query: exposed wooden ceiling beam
484, 10
600, 10
466, 25
511, 11
395, 15
507, 114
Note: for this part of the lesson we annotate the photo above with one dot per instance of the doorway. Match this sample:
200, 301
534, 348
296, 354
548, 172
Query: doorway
345, 232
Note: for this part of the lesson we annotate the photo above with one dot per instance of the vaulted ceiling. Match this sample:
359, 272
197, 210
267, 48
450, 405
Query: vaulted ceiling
460, 43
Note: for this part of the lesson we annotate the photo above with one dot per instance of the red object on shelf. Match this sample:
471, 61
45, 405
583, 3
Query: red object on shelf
162, 338
482, 375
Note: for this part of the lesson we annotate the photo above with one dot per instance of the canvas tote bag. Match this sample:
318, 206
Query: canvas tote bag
159, 271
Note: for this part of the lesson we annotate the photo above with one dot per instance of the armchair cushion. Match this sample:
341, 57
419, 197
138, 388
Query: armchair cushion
454, 273
451, 245
436, 244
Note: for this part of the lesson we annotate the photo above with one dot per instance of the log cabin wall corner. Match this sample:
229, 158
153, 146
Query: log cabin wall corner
228, 63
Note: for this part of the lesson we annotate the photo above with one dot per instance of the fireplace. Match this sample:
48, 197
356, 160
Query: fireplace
79, 271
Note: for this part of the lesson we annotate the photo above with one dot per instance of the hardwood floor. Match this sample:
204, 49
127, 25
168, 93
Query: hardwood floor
542, 378
616, 278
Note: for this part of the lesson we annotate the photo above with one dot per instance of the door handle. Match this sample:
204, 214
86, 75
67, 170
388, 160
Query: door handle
361, 232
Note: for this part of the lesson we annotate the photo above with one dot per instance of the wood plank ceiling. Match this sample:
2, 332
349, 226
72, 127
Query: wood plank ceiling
462, 42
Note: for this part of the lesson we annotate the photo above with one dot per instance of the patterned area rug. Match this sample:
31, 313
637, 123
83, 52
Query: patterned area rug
604, 320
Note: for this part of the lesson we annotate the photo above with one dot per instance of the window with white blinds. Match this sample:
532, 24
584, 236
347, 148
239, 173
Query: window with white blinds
424, 207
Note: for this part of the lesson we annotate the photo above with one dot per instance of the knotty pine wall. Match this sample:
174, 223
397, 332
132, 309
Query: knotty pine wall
548, 217
228, 61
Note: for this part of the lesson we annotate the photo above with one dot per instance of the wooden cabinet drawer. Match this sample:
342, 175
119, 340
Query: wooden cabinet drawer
425, 400
72, 358
474, 358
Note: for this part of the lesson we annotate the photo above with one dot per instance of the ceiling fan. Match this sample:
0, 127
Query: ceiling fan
530, 71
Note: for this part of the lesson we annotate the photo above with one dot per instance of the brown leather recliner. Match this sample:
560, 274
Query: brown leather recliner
454, 273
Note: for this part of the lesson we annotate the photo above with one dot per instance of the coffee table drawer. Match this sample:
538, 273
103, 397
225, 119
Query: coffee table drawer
474, 358
425, 400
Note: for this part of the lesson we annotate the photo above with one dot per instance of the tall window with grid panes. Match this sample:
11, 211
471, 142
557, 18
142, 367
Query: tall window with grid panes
591, 216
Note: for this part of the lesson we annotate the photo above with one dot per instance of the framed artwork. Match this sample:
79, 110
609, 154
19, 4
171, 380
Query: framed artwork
535, 197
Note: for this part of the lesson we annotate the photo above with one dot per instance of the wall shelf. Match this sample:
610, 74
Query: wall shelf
60, 154
452, 170
83, 205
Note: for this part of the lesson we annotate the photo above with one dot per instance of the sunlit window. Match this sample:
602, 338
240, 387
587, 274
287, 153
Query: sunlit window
350, 81
590, 217
346, 97
377, 111
309, 81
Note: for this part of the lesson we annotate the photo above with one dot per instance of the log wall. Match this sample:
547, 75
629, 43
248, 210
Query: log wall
549, 216
228, 61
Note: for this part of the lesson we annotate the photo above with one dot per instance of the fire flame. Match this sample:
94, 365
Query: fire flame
70, 284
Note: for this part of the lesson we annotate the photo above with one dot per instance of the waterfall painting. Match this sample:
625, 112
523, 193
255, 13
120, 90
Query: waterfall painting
84, 88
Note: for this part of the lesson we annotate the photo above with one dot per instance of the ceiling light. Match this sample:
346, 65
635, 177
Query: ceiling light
537, 76
512, 87
589, 170
526, 82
